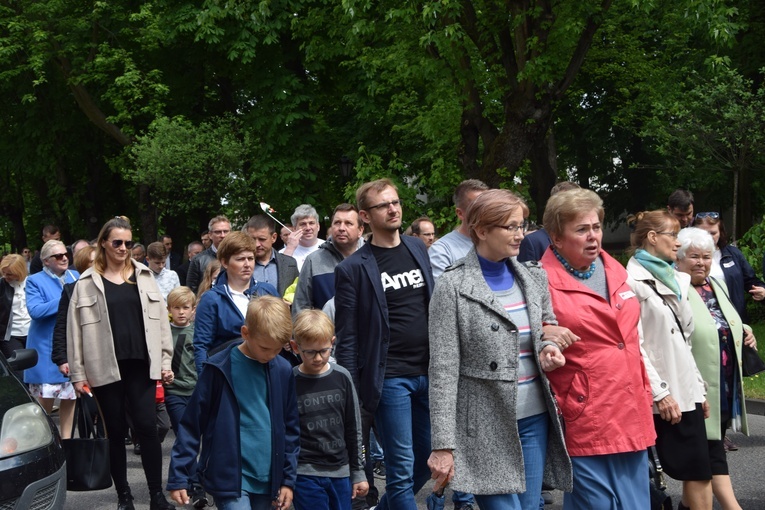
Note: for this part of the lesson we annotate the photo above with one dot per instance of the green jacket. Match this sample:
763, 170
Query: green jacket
186, 373
706, 351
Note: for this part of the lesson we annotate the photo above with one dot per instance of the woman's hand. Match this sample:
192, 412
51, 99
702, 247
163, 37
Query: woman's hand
749, 339
669, 410
564, 337
551, 358
168, 377
441, 464
82, 388
64, 369
705, 408
758, 293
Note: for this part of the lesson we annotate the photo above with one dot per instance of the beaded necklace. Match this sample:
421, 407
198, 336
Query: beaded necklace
579, 274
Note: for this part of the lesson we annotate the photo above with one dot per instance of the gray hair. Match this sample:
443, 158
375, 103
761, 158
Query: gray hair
48, 248
304, 211
693, 237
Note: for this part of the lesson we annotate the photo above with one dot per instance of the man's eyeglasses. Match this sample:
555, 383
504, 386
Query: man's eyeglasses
523, 227
385, 205
57, 256
711, 215
311, 353
116, 243
220, 232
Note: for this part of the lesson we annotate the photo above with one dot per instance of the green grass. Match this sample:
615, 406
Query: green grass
754, 387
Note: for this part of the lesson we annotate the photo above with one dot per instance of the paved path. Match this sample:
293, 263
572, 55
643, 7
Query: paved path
747, 471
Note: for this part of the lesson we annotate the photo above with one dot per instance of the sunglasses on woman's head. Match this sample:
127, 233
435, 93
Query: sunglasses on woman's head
57, 256
119, 242
711, 215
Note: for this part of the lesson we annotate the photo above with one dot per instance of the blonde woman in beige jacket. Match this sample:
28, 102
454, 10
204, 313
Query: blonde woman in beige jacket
119, 344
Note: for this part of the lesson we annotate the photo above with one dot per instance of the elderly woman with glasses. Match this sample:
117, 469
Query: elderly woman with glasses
678, 389
119, 345
716, 341
43, 292
603, 390
730, 265
488, 315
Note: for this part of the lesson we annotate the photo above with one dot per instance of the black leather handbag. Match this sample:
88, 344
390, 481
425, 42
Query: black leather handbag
752, 363
87, 457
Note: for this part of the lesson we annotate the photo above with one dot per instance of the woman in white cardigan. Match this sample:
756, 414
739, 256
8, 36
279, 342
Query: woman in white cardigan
677, 386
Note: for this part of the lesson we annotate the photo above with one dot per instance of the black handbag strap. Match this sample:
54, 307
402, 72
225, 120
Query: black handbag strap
79, 411
178, 353
652, 284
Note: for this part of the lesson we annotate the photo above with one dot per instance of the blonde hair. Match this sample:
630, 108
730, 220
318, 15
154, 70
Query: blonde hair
15, 265
377, 186
269, 317
565, 206
180, 296
82, 258
48, 247
312, 326
492, 208
207, 279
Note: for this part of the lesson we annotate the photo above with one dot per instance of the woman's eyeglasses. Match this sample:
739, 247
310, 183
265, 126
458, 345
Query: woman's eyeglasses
711, 215
57, 256
119, 242
523, 227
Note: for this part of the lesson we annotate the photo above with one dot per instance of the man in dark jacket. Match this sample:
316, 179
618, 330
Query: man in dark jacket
382, 293
270, 266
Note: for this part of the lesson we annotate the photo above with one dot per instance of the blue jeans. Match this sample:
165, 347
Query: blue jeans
533, 432
611, 482
322, 493
403, 421
246, 501
176, 406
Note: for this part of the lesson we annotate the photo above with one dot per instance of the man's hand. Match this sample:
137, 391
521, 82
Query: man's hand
284, 500
359, 490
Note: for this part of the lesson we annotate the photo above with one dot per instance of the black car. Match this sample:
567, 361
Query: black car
32, 462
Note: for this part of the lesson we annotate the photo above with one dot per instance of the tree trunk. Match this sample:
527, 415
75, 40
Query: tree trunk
544, 172
148, 214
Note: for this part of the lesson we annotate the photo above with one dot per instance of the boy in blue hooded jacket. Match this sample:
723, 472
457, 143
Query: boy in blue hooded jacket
244, 397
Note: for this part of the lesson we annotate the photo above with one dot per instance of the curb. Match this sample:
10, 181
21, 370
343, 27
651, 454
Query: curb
755, 406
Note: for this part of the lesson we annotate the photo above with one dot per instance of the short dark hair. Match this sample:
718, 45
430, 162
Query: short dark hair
416, 224
162, 238
258, 222
50, 230
156, 250
680, 199
464, 188
345, 207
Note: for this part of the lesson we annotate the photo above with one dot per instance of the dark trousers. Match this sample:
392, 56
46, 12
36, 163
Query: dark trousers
135, 393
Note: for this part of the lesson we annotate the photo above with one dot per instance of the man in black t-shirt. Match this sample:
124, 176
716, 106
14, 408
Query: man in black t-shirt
382, 293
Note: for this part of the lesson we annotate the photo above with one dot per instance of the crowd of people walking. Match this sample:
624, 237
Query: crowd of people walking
485, 347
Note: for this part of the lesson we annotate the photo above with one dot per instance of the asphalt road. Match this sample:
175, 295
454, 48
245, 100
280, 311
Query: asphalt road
747, 466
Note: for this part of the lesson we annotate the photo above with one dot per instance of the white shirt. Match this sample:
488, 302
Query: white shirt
301, 252
20, 317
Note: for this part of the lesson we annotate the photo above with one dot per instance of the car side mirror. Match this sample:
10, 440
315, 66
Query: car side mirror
21, 359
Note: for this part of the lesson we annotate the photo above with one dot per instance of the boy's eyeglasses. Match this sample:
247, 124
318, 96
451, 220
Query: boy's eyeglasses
311, 353
711, 215
119, 242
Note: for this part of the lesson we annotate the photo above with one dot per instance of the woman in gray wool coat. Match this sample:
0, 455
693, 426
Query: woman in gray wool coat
493, 335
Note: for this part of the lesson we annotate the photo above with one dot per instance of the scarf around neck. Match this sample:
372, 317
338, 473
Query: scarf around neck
660, 270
